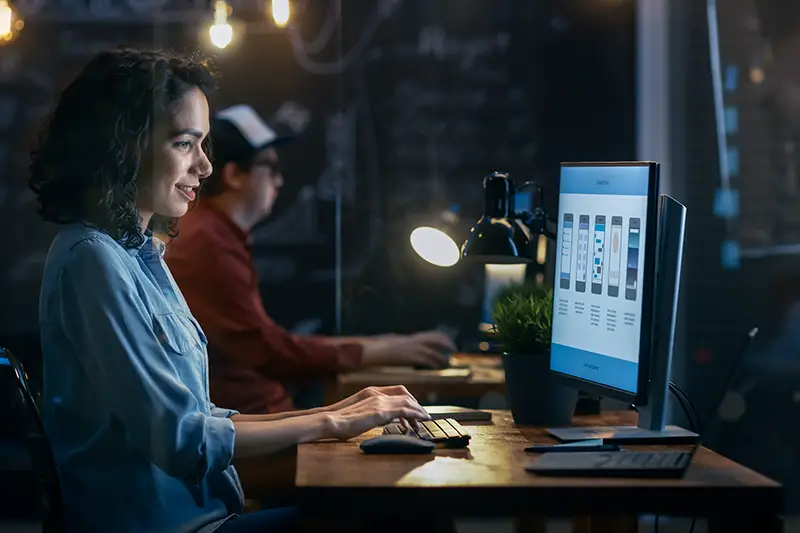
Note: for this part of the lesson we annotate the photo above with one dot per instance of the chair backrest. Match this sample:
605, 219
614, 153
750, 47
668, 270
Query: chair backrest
38, 447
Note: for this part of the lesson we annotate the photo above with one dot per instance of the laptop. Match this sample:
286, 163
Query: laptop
656, 464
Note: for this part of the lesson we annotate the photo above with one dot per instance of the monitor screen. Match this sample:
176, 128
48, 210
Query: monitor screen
598, 296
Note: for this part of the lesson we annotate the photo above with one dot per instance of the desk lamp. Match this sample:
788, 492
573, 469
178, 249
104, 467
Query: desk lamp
503, 235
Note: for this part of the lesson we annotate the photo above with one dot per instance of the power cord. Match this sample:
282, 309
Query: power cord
694, 423
687, 406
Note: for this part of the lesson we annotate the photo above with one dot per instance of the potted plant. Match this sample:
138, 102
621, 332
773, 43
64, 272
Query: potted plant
523, 318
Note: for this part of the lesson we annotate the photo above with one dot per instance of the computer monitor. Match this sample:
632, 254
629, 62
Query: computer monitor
614, 305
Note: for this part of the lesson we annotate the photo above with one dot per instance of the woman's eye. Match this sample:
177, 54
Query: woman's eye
183, 145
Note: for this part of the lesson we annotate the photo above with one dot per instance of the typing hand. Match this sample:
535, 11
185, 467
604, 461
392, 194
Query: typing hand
371, 412
369, 392
426, 349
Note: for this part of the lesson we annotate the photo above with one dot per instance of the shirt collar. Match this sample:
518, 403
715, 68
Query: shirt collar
152, 246
225, 219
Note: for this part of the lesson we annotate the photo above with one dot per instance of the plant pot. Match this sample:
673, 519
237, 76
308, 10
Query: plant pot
536, 398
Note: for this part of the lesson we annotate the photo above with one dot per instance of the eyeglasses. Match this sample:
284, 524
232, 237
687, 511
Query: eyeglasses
274, 166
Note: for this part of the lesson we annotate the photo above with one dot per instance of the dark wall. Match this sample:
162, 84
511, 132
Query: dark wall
458, 89
723, 299
441, 94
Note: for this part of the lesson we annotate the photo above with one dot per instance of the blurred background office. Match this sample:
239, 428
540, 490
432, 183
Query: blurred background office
402, 106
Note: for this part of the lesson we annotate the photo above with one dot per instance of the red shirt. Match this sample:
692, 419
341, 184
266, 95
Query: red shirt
249, 354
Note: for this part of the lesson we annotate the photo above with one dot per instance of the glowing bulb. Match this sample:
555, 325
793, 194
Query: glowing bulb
9, 23
5, 18
434, 246
280, 12
221, 33
757, 75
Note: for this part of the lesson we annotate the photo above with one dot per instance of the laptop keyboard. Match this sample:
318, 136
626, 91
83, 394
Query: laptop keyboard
646, 460
445, 431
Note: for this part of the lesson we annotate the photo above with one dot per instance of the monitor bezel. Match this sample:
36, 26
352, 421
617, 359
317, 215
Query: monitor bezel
646, 334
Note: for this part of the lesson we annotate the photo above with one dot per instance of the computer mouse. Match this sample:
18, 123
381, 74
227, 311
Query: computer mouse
397, 444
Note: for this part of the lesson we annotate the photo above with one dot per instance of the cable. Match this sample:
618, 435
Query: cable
687, 406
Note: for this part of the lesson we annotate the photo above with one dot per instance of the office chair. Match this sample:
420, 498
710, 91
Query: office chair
38, 448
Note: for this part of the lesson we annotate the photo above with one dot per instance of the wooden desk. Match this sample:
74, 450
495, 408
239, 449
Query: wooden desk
487, 377
335, 480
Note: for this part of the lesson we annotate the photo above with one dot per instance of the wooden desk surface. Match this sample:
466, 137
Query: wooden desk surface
488, 479
487, 376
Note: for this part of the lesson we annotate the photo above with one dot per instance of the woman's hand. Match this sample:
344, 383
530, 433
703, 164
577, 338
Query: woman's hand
376, 410
369, 392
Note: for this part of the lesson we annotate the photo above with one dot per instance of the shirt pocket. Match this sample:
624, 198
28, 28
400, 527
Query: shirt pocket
195, 327
171, 333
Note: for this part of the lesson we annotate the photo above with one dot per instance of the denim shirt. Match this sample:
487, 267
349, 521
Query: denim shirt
138, 445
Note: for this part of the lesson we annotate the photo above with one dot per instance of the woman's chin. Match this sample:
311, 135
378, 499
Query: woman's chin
175, 211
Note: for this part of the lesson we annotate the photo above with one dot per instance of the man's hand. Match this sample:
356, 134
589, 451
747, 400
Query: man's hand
374, 411
425, 349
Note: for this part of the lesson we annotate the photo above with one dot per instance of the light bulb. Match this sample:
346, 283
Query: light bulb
280, 12
434, 246
10, 24
221, 33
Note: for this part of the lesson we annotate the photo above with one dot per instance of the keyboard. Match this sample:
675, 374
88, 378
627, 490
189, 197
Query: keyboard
445, 431
612, 464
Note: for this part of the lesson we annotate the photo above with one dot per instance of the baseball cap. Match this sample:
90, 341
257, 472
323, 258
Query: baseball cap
238, 132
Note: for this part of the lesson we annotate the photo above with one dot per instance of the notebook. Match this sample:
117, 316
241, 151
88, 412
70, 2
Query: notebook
459, 414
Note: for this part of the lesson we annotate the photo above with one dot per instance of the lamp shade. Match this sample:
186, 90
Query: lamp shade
498, 241
498, 237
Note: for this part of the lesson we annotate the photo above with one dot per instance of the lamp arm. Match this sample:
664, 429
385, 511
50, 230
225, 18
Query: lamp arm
550, 235
529, 184
537, 222
538, 202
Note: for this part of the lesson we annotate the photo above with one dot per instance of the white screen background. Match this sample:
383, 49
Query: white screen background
576, 330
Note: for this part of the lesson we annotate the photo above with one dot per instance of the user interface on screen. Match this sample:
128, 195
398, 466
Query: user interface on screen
598, 301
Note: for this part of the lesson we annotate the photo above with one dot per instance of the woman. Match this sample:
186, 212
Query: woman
138, 445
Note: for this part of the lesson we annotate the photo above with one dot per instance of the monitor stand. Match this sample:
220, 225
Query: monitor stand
652, 427
644, 433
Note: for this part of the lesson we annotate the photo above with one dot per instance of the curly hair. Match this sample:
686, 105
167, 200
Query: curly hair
96, 144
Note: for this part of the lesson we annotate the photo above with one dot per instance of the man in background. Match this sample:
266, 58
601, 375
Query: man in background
251, 358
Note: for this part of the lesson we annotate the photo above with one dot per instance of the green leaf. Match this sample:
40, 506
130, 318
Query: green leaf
523, 318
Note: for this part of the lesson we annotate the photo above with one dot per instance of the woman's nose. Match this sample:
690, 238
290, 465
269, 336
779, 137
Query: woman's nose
204, 167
